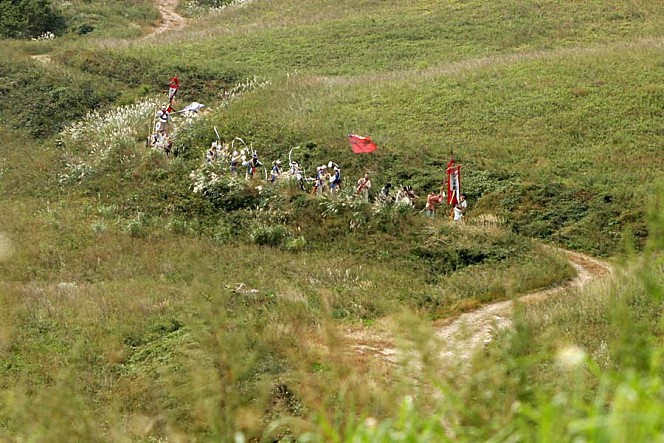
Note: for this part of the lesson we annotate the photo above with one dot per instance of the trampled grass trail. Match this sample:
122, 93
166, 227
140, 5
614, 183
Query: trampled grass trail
462, 337
476, 64
170, 20
459, 339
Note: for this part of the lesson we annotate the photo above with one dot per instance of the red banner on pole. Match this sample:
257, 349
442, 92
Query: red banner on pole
453, 179
361, 145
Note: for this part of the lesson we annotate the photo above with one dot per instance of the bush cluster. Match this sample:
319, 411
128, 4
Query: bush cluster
28, 19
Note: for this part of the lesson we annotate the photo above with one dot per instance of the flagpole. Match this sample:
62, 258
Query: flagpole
151, 123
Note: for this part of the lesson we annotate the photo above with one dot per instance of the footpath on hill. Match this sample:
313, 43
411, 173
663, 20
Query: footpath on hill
461, 337
170, 20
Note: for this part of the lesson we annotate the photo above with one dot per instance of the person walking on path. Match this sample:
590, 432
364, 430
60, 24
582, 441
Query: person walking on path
252, 165
335, 180
275, 173
163, 117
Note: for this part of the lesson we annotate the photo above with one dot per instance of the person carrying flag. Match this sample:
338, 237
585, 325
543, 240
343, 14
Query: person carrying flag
173, 86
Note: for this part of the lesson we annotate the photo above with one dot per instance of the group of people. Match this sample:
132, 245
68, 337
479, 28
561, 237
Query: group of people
327, 179
244, 158
406, 195
160, 137
458, 208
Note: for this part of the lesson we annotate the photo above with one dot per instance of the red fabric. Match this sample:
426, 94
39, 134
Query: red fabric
453, 180
361, 145
174, 83
453, 184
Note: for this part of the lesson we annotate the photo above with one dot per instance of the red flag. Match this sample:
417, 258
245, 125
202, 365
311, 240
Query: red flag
361, 145
453, 179
173, 86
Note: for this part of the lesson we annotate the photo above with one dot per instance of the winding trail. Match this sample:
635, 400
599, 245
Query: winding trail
170, 20
468, 332
460, 338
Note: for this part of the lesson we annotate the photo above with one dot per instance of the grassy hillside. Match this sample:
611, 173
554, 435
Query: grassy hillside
529, 97
135, 309
351, 38
99, 19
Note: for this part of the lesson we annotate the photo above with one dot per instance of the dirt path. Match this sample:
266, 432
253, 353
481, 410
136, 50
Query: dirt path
470, 330
170, 20
460, 338
42, 58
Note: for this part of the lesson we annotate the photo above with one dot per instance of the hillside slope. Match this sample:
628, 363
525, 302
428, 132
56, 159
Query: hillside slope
149, 297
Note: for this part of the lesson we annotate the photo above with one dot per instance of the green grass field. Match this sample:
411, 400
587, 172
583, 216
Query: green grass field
134, 309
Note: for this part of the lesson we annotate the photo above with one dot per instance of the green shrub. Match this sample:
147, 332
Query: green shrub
296, 244
226, 193
84, 28
267, 235
99, 226
136, 227
179, 225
